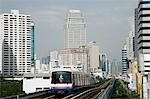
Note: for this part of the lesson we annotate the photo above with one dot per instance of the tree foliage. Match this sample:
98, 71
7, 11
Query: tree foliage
10, 87
121, 92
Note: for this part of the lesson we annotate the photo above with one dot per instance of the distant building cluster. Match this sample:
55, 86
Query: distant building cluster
76, 53
136, 52
17, 51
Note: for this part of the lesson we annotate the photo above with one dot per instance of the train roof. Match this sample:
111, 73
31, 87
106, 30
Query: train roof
61, 69
66, 69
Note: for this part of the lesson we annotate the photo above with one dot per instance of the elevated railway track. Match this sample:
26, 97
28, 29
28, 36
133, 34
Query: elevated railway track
92, 93
97, 91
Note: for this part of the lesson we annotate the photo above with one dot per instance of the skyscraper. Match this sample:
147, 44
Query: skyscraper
127, 53
74, 30
94, 53
1, 53
15, 30
124, 60
104, 62
32, 46
142, 43
142, 32
129, 44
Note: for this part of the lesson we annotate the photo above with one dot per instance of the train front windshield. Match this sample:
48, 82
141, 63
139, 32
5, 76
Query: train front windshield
61, 77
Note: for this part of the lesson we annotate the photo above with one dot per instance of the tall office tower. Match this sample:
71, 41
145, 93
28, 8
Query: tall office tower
135, 49
124, 60
142, 33
104, 62
1, 53
94, 56
32, 46
142, 39
74, 30
16, 33
129, 42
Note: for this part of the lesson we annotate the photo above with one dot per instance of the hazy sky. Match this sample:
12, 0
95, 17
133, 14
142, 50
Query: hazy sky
107, 22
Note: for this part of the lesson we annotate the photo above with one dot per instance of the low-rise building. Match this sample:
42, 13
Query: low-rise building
74, 57
36, 82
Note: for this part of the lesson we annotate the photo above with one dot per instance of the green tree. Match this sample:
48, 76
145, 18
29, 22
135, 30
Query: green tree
10, 87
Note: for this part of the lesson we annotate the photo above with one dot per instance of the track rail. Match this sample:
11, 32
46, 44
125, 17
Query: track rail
50, 97
92, 93
97, 96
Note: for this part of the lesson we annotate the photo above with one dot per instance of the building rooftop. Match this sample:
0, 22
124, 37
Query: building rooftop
74, 11
14, 11
39, 75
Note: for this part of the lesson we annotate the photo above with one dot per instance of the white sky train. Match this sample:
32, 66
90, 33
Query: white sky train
65, 79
